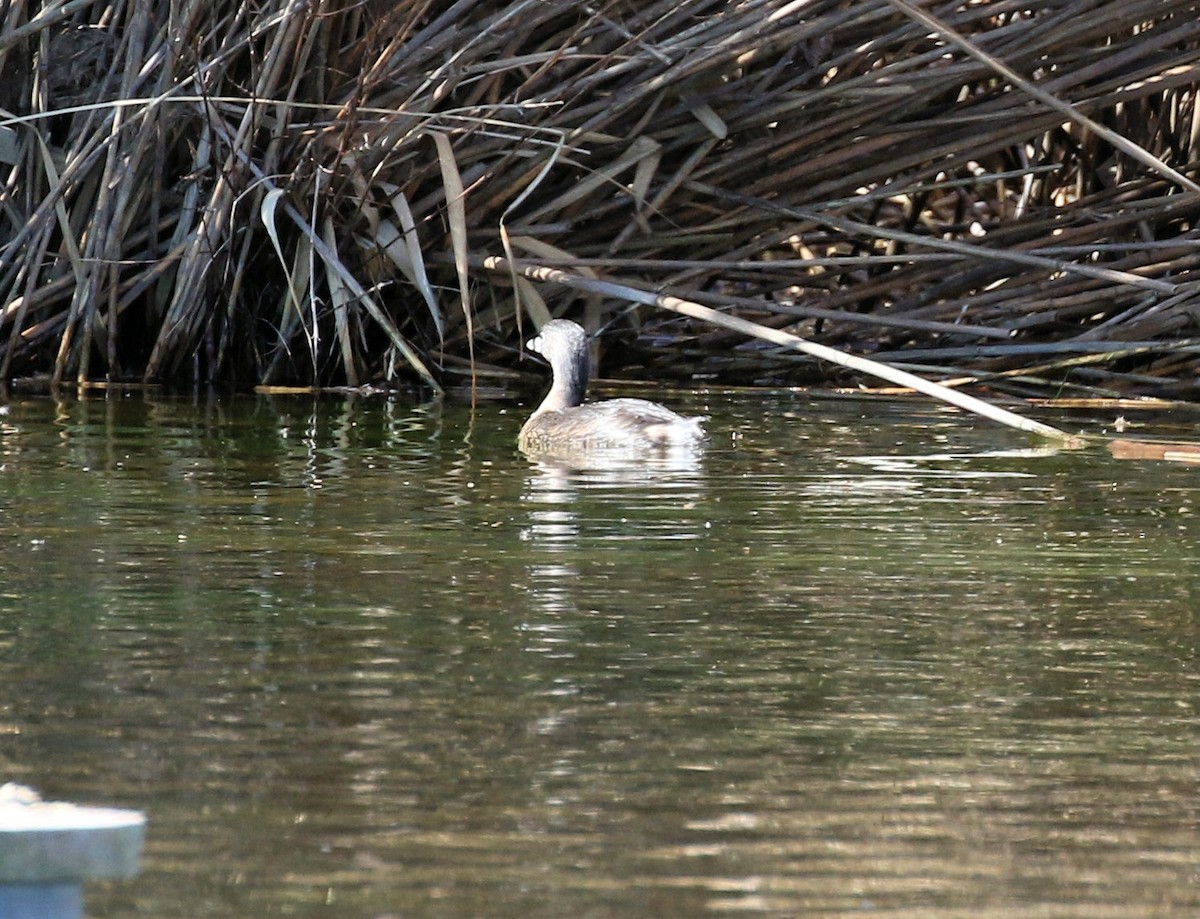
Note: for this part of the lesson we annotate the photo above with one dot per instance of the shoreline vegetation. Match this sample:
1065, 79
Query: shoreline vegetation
997, 195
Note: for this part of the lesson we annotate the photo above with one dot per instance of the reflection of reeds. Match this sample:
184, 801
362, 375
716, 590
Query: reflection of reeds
308, 192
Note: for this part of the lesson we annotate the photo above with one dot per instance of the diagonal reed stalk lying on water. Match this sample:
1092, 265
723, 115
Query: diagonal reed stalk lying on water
305, 192
821, 352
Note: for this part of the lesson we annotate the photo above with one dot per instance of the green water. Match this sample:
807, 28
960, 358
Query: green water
362, 659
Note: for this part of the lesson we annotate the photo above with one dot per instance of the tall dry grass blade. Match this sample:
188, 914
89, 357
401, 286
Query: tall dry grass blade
532, 301
535, 306
342, 299
75, 260
297, 272
456, 215
414, 263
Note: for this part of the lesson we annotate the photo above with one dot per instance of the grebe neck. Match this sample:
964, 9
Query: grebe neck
570, 380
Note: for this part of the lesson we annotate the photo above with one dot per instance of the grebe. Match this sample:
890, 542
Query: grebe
563, 423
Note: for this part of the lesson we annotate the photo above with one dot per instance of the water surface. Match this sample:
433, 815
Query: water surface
363, 659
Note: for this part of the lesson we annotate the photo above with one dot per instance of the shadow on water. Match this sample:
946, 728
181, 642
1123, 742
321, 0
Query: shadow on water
363, 659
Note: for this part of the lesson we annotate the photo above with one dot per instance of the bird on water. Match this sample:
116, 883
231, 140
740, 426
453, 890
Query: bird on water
564, 423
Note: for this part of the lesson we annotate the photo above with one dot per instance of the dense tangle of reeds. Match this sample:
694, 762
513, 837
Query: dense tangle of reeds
333, 192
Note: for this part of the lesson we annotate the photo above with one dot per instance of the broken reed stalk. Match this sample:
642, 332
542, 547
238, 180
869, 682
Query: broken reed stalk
305, 192
813, 349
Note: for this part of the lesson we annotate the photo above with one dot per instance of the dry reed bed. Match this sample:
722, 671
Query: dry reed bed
318, 191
